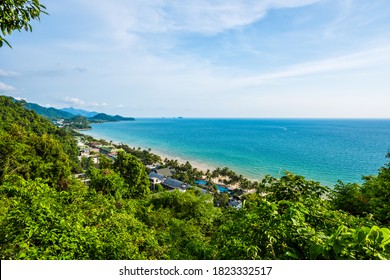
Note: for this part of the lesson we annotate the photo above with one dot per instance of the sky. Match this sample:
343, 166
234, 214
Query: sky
206, 58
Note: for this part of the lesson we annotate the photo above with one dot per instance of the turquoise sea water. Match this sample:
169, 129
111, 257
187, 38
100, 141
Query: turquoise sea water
325, 150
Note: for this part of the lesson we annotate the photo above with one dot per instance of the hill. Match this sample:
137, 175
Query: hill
50, 113
101, 117
80, 112
72, 117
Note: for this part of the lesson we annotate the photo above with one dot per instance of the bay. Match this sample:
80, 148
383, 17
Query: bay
324, 150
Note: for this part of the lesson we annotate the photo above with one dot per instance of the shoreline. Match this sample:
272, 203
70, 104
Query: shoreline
164, 155
199, 166
194, 163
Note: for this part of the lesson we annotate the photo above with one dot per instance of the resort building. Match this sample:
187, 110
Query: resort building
106, 149
175, 184
95, 145
167, 172
110, 151
167, 182
156, 178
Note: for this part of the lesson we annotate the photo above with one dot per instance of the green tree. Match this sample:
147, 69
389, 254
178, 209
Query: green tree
183, 222
107, 181
349, 197
370, 198
220, 199
291, 187
39, 222
104, 162
134, 173
87, 162
17, 14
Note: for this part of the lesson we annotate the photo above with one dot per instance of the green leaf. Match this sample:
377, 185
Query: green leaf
386, 236
315, 250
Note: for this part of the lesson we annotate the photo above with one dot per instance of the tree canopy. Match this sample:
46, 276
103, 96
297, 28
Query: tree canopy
17, 14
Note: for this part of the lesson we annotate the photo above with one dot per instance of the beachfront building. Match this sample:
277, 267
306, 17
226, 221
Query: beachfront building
167, 172
174, 184
95, 144
167, 182
152, 166
156, 178
110, 151
87, 152
106, 149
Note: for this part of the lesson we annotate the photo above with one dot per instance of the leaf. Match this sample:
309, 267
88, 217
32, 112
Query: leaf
22, 255
30, 233
361, 236
315, 250
386, 236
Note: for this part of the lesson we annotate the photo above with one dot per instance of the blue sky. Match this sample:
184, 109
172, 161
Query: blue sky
206, 58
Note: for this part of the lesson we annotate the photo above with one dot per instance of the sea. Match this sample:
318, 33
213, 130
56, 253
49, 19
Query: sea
323, 150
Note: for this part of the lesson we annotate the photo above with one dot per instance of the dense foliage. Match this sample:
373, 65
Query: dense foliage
17, 14
370, 198
48, 213
32, 147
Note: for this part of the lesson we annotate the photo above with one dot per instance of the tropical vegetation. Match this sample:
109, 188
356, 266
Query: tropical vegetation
46, 212
17, 14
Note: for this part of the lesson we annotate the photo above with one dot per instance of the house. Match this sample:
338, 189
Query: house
95, 145
175, 184
106, 149
167, 172
110, 151
167, 182
156, 178
152, 166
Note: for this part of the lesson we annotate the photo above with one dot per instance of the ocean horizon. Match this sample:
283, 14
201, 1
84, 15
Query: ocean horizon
323, 150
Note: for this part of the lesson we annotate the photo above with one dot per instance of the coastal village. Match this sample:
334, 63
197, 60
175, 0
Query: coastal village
160, 175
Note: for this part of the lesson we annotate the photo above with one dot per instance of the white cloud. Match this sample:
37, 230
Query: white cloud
355, 61
4, 73
73, 101
96, 104
199, 16
6, 88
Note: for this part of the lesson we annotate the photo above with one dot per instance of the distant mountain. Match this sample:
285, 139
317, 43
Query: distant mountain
76, 118
80, 112
101, 117
50, 113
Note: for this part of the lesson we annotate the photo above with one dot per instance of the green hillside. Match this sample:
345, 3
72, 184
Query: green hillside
50, 113
71, 117
79, 112
66, 119
101, 117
